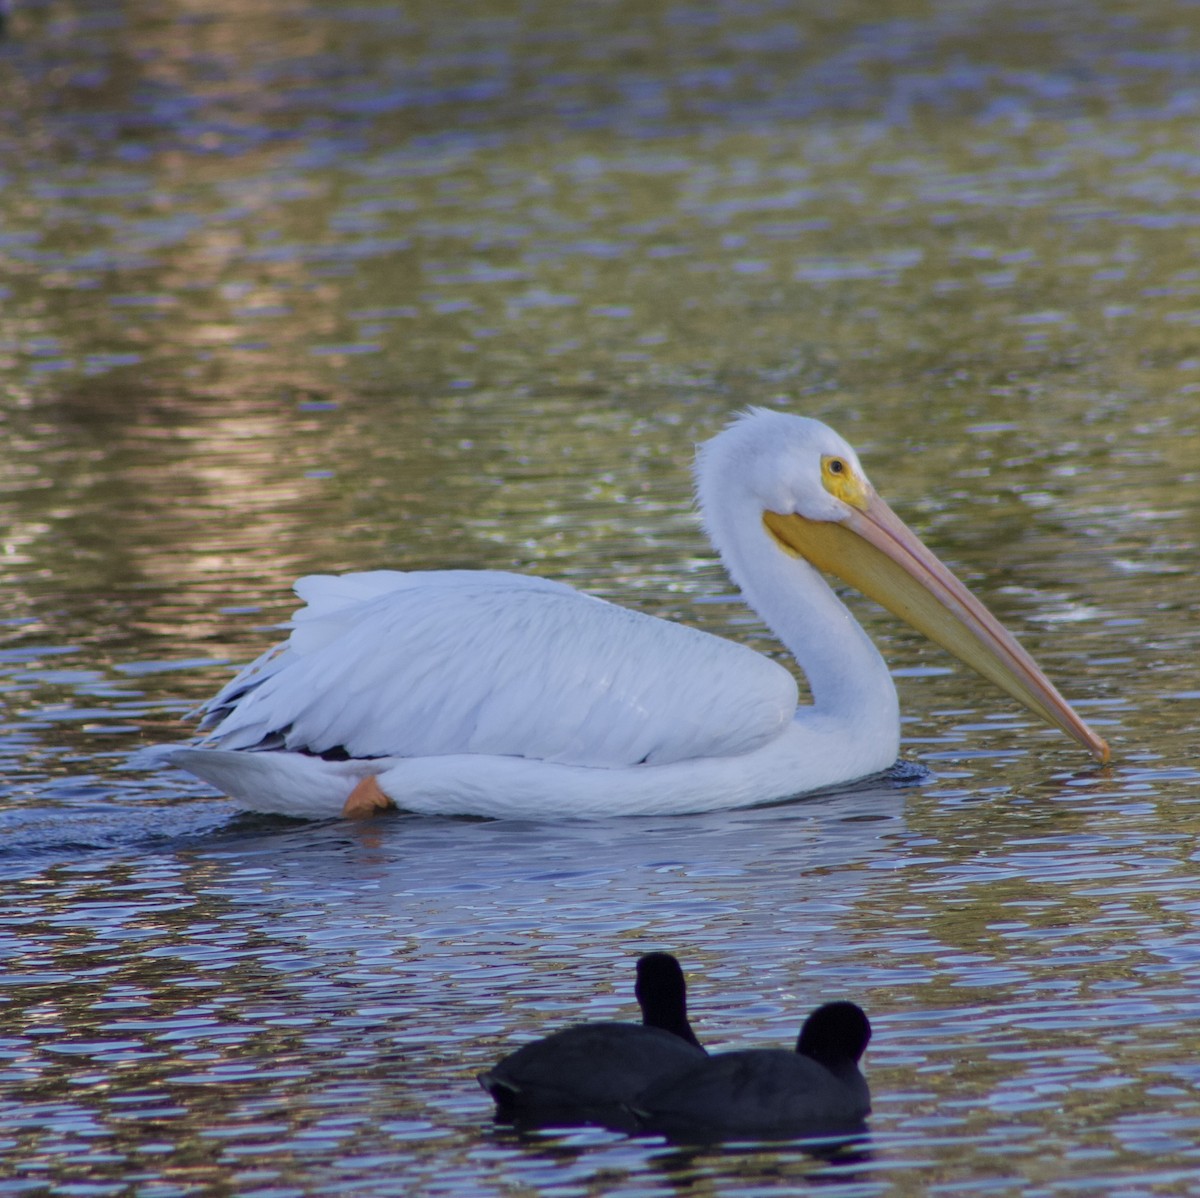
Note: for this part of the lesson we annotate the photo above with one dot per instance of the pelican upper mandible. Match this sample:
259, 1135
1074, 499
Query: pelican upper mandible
498, 694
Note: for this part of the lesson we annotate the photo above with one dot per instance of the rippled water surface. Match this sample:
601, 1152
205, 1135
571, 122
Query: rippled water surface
295, 286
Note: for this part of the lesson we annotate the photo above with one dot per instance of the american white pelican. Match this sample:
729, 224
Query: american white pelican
495, 694
590, 1071
767, 1093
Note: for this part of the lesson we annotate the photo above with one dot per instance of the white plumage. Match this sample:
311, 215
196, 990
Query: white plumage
432, 663
489, 693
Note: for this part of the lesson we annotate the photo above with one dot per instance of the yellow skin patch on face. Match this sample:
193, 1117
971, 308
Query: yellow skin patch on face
843, 482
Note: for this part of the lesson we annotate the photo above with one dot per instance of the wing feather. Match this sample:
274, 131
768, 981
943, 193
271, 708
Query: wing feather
447, 662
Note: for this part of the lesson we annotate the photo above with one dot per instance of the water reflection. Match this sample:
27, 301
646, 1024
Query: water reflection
196, 985
249, 986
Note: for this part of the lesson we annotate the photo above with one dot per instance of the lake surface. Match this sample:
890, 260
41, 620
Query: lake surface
293, 287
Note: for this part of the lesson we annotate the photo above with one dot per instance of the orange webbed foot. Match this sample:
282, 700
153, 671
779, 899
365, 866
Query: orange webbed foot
366, 799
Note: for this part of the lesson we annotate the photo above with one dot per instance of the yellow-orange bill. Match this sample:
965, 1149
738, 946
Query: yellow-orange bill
875, 552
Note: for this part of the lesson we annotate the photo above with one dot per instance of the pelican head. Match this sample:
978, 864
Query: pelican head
817, 504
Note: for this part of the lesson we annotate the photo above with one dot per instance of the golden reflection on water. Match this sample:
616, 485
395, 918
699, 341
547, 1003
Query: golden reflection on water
501, 354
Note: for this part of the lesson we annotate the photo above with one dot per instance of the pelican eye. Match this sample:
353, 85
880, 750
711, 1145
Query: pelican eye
842, 481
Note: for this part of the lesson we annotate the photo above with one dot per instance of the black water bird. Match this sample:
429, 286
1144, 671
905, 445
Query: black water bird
756, 1094
590, 1072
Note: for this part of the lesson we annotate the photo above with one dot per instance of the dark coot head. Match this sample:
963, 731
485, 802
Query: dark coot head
835, 1035
662, 994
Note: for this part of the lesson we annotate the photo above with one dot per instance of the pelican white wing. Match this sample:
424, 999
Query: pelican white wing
430, 664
